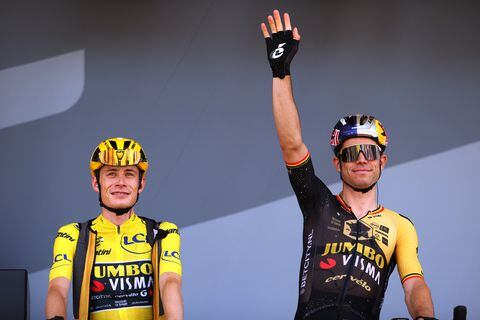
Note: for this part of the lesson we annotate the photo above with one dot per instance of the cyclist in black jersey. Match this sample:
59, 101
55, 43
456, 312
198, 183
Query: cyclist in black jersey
350, 244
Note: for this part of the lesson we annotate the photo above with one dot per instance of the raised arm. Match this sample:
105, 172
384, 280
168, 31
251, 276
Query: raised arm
281, 48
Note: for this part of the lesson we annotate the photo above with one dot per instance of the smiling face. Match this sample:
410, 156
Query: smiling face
360, 173
119, 185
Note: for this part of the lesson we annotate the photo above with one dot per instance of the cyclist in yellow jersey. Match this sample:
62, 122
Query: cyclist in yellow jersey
121, 265
350, 243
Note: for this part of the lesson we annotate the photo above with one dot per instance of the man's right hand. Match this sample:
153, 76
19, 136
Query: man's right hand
281, 45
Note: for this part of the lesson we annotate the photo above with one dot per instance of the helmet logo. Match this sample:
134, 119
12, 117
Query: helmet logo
334, 141
120, 154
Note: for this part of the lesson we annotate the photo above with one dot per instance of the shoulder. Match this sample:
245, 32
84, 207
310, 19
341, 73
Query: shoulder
170, 227
69, 232
162, 225
166, 226
399, 218
70, 227
404, 227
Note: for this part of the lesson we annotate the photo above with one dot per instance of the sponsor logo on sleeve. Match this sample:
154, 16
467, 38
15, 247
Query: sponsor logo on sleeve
65, 235
61, 257
171, 256
306, 263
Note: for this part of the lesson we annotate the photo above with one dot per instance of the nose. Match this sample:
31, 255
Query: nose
120, 180
361, 158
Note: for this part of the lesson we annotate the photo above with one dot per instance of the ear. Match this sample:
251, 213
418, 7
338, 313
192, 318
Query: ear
383, 161
143, 183
95, 184
336, 163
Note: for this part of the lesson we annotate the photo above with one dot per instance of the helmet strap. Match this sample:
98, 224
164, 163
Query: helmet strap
117, 211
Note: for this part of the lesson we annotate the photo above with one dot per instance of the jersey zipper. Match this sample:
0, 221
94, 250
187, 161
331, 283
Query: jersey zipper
341, 299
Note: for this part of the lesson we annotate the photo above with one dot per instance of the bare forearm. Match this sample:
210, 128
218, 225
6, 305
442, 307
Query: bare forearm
419, 302
172, 300
56, 304
287, 120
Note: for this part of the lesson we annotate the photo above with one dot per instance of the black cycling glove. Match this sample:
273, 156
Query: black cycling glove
281, 48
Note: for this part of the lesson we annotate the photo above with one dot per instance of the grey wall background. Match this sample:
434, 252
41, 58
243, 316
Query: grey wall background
190, 81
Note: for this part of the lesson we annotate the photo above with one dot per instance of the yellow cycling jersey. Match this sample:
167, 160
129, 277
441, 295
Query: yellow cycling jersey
121, 281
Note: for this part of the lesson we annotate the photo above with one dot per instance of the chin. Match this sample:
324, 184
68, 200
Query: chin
120, 205
362, 184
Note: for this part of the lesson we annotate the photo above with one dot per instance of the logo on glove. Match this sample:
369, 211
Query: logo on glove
277, 53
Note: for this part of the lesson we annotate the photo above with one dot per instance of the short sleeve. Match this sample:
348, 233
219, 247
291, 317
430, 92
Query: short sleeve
63, 251
406, 250
307, 187
170, 259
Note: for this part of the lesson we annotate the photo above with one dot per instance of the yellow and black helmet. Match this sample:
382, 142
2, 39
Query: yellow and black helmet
118, 152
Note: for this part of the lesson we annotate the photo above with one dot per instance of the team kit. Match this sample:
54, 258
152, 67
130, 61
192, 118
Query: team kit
122, 265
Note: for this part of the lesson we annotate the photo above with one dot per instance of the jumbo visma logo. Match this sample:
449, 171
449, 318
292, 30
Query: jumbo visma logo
136, 244
364, 250
122, 270
126, 276
119, 285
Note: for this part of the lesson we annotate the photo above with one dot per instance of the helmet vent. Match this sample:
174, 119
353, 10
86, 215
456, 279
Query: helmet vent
95, 156
113, 144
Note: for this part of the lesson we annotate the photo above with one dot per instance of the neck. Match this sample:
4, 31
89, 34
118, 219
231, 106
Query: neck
360, 203
113, 218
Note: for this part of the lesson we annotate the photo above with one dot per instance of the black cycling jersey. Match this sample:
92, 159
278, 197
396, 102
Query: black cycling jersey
346, 262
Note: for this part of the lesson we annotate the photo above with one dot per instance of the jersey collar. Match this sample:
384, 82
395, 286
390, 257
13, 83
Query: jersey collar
349, 209
101, 222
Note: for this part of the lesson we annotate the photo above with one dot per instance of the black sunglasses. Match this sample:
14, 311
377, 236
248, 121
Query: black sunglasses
370, 152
